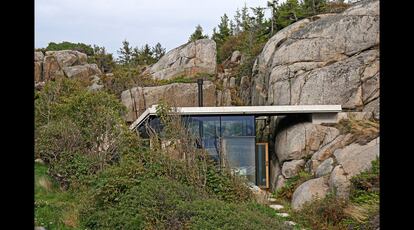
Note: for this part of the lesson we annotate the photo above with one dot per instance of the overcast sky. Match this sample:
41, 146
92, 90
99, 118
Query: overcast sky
108, 22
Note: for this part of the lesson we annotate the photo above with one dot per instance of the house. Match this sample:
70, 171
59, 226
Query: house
229, 133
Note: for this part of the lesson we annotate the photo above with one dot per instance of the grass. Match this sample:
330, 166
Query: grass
54, 209
363, 130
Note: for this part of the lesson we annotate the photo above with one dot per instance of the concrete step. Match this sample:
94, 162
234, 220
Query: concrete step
291, 223
283, 214
271, 199
276, 206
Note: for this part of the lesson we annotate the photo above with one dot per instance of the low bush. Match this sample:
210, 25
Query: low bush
216, 214
291, 184
78, 132
327, 213
360, 211
363, 130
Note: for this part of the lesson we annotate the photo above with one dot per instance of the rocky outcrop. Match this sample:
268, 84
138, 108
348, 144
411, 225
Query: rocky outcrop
326, 59
292, 168
328, 152
309, 191
82, 71
138, 99
302, 140
189, 59
65, 63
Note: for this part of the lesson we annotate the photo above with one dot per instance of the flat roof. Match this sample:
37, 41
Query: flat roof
242, 110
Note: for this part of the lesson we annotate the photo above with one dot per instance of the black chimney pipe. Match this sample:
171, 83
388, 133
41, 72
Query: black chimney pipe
200, 92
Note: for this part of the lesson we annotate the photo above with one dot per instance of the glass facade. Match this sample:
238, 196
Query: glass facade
239, 154
230, 140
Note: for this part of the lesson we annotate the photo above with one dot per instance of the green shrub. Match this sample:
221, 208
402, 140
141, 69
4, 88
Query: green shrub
363, 130
149, 202
291, 184
52, 95
82, 133
216, 214
81, 47
327, 213
360, 211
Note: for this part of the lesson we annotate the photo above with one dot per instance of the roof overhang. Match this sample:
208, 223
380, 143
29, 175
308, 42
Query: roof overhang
272, 110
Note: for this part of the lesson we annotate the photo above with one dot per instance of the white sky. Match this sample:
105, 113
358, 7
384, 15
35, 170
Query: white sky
108, 22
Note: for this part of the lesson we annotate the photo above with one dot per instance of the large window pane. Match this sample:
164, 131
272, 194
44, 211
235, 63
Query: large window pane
239, 154
237, 126
208, 129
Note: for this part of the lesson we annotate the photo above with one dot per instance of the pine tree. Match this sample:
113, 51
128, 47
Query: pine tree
238, 23
232, 28
273, 5
245, 24
198, 34
224, 30
147, 55
158, 51
125, 53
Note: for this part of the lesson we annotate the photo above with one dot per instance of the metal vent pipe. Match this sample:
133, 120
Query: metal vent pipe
200, 92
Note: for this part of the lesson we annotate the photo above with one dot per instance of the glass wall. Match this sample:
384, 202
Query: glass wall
207, 129
232, 126
230, 140
239, 155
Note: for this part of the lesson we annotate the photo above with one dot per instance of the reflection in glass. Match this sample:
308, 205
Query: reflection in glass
239, 154
237, 126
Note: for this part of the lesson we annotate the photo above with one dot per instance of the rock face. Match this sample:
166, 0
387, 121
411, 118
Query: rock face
291, 168
357, 158
329, 155
328, 59
64, 63
301, 140
306, 192
189, 59
138, 99
81, 71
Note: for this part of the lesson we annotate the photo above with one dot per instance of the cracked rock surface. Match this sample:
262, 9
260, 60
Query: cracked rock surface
191, 58
327, 59
138, 99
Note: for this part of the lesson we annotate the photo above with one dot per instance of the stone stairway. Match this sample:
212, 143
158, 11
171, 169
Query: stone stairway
272, 203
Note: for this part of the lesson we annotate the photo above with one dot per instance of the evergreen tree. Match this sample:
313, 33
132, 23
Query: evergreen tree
125, 53
313, 7
198, 34
224, 30
158, 51
245, 24
103, 60
289, 12
232, 28
237, 22
273, 5
258, 13
144, 55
